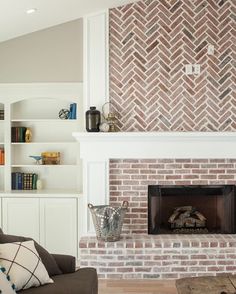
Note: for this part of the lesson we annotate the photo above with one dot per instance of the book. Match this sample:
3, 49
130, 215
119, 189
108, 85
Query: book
73, 110
18, 134
22, 131
13, 134
20, 181
73, 114
26, 182
16, 181
2, 156
1, 114
35, 178
13, 181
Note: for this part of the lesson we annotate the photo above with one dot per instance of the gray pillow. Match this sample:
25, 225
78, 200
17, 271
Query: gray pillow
47, 259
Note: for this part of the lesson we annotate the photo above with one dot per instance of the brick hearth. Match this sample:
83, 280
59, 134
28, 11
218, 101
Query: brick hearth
160, 257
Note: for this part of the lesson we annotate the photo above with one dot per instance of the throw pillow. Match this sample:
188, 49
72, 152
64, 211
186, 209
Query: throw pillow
23, 264
6, 287
1, 232
47, 259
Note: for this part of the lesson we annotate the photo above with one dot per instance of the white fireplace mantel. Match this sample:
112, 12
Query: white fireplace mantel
97, 148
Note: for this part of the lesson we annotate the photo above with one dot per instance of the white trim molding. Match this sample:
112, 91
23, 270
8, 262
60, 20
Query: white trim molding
96, 59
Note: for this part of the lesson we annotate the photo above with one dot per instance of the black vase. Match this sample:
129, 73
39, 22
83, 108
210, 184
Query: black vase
93, 119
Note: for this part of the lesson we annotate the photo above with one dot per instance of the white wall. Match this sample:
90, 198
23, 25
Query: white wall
50, 55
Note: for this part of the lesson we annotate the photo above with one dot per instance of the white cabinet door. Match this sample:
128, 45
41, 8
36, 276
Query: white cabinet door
21, 217
58, 225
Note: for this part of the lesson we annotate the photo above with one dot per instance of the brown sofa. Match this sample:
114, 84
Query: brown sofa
61, 269
82, 281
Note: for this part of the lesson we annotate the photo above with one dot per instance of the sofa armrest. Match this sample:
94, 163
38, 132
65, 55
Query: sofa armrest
66, 263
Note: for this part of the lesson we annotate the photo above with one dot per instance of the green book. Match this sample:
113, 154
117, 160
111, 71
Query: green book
35, 178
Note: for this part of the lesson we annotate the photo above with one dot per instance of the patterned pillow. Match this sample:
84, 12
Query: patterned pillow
6, 287
23, 264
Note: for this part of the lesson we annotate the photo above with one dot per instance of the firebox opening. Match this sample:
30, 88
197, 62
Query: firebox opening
191, 209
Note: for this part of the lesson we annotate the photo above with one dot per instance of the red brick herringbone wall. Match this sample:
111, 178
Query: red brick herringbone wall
150, 43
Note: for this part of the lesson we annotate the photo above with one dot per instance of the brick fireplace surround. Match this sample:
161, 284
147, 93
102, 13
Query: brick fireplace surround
138, 255
150, 42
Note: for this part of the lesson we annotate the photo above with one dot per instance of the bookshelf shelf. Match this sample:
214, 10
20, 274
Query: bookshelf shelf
45, 120
43, 143
54, 193
45, 165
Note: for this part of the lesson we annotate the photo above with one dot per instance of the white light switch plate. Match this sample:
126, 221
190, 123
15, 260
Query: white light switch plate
210, 50
197, 69
188, 69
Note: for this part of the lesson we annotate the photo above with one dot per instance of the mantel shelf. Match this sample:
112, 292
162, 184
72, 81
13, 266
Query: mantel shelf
99, 146
176, 136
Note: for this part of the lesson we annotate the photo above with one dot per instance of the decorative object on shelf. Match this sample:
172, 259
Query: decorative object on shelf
37, 158
110, 118
104, 127
64, 113
93, 119
28, 135
72, 113
108, 221
50, 158
39, 184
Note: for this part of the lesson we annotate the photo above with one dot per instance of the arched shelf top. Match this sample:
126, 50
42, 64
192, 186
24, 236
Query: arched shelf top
40, 108
40, 100
13, 93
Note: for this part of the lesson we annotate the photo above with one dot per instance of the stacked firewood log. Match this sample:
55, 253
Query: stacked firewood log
187, 217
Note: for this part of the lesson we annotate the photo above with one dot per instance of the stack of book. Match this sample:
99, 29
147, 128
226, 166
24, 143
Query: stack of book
72, 114
2, 156
18, 134
24, 181
1, 114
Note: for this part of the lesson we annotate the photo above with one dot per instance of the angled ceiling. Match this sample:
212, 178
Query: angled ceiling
14, 21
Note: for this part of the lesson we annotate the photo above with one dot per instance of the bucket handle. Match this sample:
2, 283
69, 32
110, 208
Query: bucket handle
125, 204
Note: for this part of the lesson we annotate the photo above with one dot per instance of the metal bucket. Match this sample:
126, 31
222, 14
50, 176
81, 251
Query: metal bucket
108, 221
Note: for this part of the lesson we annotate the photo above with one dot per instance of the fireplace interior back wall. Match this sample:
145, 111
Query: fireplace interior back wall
214, 204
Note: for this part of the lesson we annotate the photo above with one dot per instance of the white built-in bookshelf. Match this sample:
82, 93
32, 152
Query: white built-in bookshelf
38, 213
36, 106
